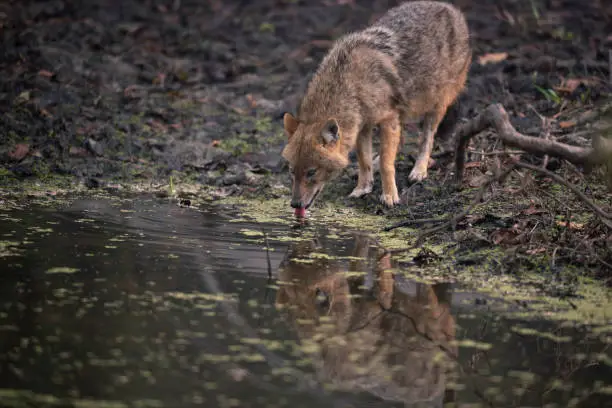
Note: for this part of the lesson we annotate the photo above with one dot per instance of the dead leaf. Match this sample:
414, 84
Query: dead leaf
536, 251
45, 113
21, 151
571, 225
251, 100
473, 218
78, 151
160, 79
157, 125
492, 58
504, 236
130, 91
533, 210
569, 85
567, 124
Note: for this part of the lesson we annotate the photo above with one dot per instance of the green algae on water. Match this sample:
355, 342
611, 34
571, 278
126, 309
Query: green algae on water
62, 269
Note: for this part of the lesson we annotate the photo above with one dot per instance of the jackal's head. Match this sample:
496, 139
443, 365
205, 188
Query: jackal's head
315, 156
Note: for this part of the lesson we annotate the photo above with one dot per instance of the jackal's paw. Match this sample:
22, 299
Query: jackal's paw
390, 199
417, 174
361, 191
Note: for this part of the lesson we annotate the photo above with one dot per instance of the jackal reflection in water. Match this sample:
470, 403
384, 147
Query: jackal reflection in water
378, 337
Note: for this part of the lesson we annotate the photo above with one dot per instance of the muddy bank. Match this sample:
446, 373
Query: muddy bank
186, 97
105, 90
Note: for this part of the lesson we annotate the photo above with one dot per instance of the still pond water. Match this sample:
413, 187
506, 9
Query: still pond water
142, 303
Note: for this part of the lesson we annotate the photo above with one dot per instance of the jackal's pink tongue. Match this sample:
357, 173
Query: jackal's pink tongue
300, 212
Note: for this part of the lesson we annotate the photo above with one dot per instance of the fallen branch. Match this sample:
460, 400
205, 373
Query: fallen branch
496, 117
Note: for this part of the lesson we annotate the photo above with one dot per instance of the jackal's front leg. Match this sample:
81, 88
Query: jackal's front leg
365, 179
390, 132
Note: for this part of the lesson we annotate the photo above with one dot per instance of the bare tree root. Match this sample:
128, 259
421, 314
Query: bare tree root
496, 117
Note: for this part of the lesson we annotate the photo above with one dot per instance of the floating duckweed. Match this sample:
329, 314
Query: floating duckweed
251, 233
62, 269
525, 331
467, 343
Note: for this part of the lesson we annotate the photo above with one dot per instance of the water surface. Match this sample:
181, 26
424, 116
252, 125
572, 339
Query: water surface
143, 303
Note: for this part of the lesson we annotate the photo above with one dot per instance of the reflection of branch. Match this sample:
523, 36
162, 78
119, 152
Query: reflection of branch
449, 353
269, 280
267, 255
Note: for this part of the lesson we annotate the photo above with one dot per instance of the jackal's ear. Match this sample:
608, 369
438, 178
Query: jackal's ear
290, 123
330, 132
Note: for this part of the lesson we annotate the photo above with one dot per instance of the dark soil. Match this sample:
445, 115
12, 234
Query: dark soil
109, 91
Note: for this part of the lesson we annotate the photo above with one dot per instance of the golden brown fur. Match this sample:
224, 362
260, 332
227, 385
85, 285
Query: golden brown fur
411, 63
394, 345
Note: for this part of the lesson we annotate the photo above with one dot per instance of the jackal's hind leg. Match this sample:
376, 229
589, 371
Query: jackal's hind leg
426, 142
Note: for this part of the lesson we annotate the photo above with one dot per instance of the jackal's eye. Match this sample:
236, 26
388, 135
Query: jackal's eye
311, 173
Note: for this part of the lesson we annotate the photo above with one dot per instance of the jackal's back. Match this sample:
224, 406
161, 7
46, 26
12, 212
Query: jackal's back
430, 42
426, 41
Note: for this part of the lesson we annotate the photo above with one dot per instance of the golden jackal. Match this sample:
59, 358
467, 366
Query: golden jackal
411, 63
